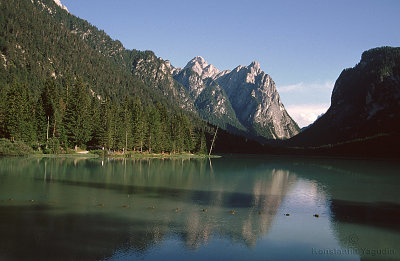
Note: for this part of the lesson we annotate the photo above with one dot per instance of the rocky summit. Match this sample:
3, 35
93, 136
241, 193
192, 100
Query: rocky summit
244, 98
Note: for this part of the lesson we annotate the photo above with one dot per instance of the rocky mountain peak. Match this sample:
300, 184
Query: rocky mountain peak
255, 65
202, 68
247, 93
253, 71
197, 64
200, 60
58, 2
171, 68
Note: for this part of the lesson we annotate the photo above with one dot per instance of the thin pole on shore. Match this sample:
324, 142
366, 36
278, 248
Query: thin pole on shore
212, 143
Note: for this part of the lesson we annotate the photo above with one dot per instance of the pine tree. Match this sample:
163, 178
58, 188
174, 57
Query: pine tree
164, 133
19, 110
96, 129
139, 125
153, 133
47, 107
41, 123
77, 116
177, 134
127, 123
187, 134
201, 146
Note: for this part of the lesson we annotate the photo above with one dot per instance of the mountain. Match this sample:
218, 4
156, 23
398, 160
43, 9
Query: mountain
243, 99
177, 86
183, 87
210, 100
49, 57
365, 102
41, 40
104, 63
64, 83
156, 73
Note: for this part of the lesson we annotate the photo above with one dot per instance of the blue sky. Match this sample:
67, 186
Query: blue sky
303, 45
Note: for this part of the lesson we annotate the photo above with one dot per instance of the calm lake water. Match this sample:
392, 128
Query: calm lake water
232, 208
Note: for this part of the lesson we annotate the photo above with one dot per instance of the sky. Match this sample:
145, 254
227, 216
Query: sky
304, 45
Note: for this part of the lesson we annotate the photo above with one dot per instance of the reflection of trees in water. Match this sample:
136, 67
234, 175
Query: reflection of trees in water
33, 233
363, 200
367, 227
190, 184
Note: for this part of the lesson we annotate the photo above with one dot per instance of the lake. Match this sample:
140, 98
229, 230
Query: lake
239, 207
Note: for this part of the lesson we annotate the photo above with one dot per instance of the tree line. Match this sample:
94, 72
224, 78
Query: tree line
71, 115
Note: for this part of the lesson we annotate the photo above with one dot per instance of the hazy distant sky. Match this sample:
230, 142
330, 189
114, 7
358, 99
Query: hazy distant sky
303, 45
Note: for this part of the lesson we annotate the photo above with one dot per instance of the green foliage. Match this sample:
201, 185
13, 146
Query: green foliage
18, 111
138, 125
77, 115
64, 83
87, 121
53, 145
17, 148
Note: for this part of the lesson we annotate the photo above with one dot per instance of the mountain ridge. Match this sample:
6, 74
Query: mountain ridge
250, 92
162, 76
121, 68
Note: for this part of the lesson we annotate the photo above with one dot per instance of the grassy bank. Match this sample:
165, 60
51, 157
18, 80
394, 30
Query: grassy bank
19, 148
70, 155
145, 155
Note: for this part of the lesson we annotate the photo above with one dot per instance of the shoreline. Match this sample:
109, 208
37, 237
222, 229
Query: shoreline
119, 156
160, 156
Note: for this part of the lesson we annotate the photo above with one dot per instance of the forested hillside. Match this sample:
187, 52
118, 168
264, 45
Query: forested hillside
65, 84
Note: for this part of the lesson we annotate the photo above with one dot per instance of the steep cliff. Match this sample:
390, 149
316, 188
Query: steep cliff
365, 102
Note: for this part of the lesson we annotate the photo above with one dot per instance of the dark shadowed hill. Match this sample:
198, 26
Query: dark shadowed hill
365, 102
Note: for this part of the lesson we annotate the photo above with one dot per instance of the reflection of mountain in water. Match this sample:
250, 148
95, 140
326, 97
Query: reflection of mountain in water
178, 190
254, 213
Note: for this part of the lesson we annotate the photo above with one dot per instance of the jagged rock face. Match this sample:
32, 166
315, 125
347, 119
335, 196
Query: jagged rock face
209, 98
365, 101
256, 101
202, 68
248, 90
192, 81
172, 69
213, 105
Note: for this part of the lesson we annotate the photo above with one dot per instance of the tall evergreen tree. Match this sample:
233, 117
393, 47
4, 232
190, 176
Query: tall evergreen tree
127, 123
139, 124
164, 132
96, 129
20, 125
48, 111
77, 116
187, 134
154, 128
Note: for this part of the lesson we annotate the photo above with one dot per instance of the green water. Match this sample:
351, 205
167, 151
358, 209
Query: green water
232, 208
